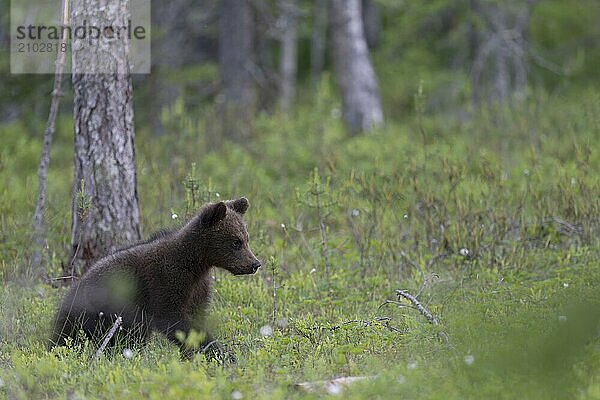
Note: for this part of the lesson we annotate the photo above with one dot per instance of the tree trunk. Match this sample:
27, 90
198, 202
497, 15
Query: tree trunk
499, 48
353, 69
318, 39
236, 45
105, 211
372, 23
289, 53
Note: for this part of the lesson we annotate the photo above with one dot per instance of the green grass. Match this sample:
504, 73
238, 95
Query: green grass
518, 317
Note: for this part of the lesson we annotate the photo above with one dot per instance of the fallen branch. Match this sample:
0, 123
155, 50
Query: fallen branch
63, 278
403, 293
109, 336
421, 308
333, 386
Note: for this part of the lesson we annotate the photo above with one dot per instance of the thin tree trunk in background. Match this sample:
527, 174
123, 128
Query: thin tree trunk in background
499, 50
520, 47
4, 22
502, 54
107, 214
171, 51
501, 78
38, 216
372, 23
318, 40
236, 45
289, 53
474, 38
353, 69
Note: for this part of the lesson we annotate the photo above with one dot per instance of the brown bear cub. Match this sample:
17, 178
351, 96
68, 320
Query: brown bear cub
162, 284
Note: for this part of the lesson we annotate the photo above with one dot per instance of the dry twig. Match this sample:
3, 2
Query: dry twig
424, 311
403, 293
109, 336
38, 216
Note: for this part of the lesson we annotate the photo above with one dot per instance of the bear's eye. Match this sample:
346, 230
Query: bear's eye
237, 244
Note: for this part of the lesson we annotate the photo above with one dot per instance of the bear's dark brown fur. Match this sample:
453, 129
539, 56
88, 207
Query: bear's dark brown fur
162, 284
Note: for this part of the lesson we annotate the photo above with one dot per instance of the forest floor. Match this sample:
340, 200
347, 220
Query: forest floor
493, 223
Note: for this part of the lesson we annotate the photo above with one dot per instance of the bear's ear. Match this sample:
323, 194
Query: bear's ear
213, 214
240, 205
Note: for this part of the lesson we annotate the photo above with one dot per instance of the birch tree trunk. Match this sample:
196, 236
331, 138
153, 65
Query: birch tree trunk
318, 39
236, 45
105, 211
499, 47
289, 53
353, 69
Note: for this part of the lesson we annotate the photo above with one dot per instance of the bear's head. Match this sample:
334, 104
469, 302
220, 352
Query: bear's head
225, 237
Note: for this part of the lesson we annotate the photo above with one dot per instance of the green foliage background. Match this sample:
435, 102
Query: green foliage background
516, 185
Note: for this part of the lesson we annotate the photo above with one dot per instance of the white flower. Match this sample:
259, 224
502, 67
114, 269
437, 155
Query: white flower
565, 285
127, 353
236, 395
266, 330
312, 271
526, 172
464, 252
218, 194
469, 359
174, 216
405, 216
355, 212
282, 226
